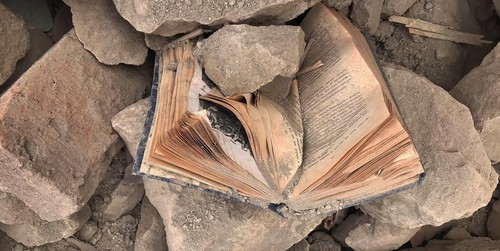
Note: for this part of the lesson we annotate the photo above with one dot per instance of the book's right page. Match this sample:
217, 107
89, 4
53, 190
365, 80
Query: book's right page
355, 145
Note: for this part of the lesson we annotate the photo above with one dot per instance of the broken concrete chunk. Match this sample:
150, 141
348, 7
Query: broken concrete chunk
243, 58
14, 42
57, 146
459, 177
106, 34
366, 14
126, 124
378, 236
195, 220
493, 223
168, 18
14, 211
150, 234
396, 7
37, 233
125, 196
480, 91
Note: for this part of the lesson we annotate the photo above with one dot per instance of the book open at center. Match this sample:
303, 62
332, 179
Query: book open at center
336, 140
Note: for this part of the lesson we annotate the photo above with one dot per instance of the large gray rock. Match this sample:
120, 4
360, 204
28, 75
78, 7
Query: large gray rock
150, 234
459, 176
321, 241
243, 58
14, 42
106, 34
125, 196
168, 18
199, 220
56, 139
37, 233
480, 91
127, 122
366, 14
378, 236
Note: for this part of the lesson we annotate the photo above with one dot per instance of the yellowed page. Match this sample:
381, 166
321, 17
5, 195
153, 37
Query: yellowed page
342, 101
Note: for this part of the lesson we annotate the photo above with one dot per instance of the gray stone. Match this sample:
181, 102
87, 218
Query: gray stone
126, 124
396, 7
196, 220
457, 234
493, 223
479, 90
302, 245
14, 211
376, 235
150, 234
37, 233
125, 196
320, 241
459, 176
106, 34
352, 221
366, 14
168, 18
337, 4
496, 4
243, 58
156, 42
87, 231
14, 42
40, 43
55, 148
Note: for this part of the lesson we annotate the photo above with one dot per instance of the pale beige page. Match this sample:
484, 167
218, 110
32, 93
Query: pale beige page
342, 101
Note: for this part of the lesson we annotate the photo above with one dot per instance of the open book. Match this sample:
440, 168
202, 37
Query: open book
336, 139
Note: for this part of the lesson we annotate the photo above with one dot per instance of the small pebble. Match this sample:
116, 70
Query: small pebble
428, 5
87, 231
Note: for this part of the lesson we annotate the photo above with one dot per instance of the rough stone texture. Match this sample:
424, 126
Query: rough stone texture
40, 43
352, 221
457, 233
40, 232
320, 241
126, 195
496, 4
14, 42
302, 245
243, 58
195, 220
493, 223
459, 177
106, 34
479, 243
87, 231
168, 18
126, 124
479, 90
150, 234
396, 7
337, 4
375, 236
366, 14
56, 147
14, 211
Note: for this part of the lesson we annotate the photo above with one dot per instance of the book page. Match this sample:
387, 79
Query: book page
342, 102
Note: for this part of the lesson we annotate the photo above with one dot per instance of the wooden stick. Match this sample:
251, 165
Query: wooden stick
428, 29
